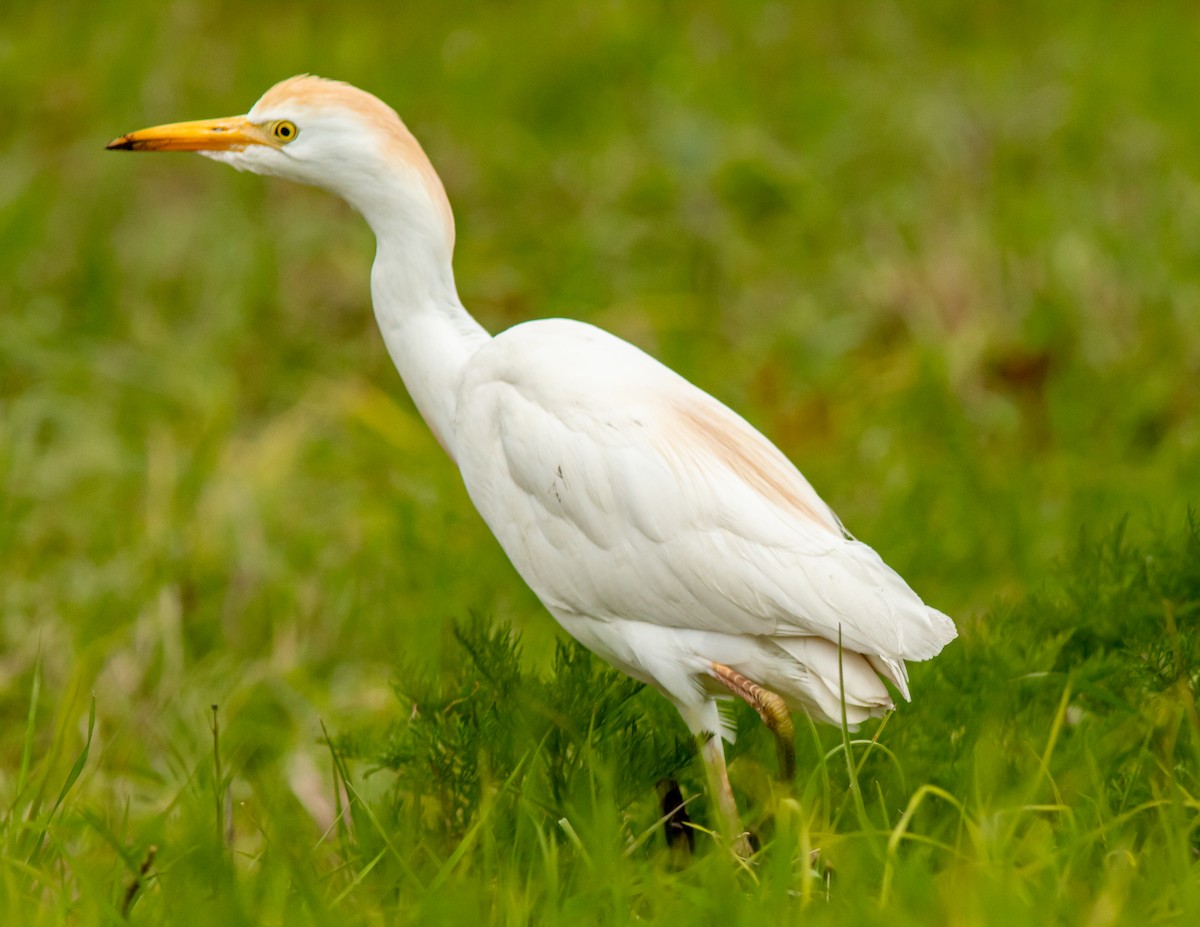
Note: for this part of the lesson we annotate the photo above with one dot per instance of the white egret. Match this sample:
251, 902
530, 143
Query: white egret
659, 527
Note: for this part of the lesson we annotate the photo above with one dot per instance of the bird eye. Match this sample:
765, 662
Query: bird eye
284, 130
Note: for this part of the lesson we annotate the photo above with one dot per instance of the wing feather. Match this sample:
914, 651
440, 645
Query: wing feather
621, 491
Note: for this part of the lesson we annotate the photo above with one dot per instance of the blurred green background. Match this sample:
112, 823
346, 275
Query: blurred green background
947, 256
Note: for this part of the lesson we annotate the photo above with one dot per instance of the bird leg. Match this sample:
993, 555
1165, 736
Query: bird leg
771, 709
730, 825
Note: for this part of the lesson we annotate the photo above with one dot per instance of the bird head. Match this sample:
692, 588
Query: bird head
325, 134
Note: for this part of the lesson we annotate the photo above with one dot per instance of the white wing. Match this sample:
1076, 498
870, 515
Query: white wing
621, 491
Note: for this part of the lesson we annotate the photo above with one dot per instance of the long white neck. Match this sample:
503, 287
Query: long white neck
428, 333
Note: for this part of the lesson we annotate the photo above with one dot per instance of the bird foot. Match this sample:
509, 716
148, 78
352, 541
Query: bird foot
745, 845
771, 708
679, 829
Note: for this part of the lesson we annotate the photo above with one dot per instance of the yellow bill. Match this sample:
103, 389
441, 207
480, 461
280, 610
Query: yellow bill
232, 133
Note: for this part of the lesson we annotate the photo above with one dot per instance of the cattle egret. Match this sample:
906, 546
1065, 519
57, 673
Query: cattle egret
656, 525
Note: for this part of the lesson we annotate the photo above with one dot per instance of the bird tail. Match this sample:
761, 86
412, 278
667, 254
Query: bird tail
893, 670
923, 631
941, 632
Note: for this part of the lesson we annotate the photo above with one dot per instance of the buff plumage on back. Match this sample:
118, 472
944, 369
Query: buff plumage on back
305, 90
706, 425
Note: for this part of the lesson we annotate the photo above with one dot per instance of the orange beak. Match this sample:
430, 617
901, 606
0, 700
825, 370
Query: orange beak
233, 133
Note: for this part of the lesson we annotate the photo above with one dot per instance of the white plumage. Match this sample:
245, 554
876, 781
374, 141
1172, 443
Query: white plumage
666, 534
657, 526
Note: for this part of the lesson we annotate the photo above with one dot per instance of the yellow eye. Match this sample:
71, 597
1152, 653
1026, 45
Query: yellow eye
284, 130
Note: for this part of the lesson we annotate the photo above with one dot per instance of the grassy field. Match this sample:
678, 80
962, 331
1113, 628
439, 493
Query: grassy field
948, 259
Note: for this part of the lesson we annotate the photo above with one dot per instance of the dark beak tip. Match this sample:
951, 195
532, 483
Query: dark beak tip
120, 144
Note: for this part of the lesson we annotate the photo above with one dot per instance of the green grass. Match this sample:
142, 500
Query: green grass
946, 258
